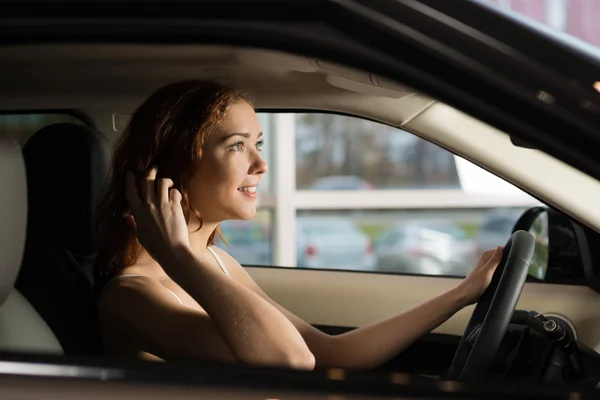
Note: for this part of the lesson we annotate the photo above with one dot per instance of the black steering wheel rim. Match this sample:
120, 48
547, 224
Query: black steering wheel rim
494, 310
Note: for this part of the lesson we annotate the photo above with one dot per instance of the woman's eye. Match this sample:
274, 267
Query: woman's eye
259, 145
239, 146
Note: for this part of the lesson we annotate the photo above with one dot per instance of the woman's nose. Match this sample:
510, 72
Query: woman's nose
259, 165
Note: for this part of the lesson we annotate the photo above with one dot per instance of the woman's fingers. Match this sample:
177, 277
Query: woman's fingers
131, 192
176, 196
148, 187
484, 258
495, 258
154, 191
487, 256
162, 189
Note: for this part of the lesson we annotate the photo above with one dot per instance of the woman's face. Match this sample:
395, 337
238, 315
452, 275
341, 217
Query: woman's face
224, 185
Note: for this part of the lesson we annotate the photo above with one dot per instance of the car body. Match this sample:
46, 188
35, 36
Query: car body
430, 248
333, 243
496, 228
246, 241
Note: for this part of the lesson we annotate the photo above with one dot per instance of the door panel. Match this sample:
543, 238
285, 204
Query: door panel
431, 355
353, 299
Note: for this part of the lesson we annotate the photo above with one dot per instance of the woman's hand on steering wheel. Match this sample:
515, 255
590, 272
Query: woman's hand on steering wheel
473, 286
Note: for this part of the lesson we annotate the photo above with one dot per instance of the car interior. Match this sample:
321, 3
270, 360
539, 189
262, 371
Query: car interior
57, 174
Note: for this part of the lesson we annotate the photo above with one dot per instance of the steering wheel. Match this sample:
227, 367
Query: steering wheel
489, 321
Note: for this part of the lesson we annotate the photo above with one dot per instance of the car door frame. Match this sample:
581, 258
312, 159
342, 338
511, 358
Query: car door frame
350, 33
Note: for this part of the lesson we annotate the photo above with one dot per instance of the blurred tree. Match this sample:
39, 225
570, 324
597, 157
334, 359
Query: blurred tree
331, 145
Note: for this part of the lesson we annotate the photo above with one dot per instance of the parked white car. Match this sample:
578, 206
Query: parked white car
425, 248
333, 243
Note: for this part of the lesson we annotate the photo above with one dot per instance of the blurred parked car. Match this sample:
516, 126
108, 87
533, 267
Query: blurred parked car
426, 248
333, 243
496, 228
342, 182
247, 241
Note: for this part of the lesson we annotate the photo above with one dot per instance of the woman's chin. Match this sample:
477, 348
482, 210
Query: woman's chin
248, 216
244, 215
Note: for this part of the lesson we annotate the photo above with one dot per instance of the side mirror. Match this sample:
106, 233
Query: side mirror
562, 252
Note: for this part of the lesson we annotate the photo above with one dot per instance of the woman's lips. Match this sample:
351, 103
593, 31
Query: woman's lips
250, 191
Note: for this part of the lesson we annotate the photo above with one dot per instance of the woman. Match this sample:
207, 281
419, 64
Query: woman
189, 160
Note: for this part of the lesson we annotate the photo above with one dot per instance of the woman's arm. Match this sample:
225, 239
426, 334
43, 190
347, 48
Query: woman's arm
256, 331
372, 345
375, 344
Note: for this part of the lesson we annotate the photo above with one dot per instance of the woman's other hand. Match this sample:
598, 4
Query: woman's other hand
157, 216
473, 286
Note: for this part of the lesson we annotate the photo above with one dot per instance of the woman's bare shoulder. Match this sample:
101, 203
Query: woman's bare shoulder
131, 293
221, 252
232, 265
140, 312
236, 270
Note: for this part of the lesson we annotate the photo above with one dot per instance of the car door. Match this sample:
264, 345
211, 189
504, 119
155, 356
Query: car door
338, 293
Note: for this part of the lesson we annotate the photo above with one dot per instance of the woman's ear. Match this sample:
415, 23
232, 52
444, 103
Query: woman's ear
131, 221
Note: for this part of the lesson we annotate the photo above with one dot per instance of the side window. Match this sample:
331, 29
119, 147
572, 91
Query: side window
414, 207
346, 193
22, 126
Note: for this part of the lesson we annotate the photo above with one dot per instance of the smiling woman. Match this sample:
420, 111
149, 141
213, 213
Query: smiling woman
158, 231
189, 160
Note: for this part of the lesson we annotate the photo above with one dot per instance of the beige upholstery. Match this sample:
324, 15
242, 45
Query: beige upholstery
21, 328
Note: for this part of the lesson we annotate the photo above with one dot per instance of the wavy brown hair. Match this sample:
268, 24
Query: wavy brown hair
167, 131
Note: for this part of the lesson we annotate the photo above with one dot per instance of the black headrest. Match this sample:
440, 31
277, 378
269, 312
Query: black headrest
67, 168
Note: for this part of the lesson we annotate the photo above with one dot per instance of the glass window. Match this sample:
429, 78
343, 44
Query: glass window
425, 241
388, 239
266, 123
21, 127
332, 242
372, 168
335, 152
371, 197
249, 242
